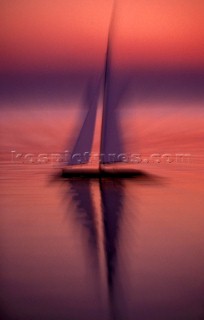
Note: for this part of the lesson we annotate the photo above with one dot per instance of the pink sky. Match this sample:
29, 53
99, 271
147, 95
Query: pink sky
59, 35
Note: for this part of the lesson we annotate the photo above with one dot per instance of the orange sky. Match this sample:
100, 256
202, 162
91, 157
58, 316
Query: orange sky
72, 34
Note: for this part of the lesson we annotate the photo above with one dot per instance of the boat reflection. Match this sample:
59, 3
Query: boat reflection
103, 236
100, 209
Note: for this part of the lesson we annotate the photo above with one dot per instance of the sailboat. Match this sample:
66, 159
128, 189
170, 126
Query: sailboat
111, 153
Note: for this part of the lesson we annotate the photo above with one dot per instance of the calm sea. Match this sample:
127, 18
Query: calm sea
87, 249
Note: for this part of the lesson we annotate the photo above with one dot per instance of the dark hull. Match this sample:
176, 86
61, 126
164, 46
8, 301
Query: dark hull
93, 173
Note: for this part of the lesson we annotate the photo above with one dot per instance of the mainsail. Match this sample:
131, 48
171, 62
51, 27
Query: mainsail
111, 143
111, 147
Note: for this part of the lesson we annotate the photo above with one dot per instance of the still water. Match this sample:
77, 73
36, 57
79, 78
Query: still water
101, 249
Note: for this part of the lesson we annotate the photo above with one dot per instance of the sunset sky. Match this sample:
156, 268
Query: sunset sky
66, 35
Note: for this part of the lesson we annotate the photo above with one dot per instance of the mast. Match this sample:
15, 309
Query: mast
111, 144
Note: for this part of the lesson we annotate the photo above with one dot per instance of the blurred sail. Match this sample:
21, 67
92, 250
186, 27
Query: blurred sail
111, 142
85, 139
111, 146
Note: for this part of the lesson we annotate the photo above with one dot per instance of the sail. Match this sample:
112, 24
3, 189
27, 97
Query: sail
111, 146
111, 141
82, 147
